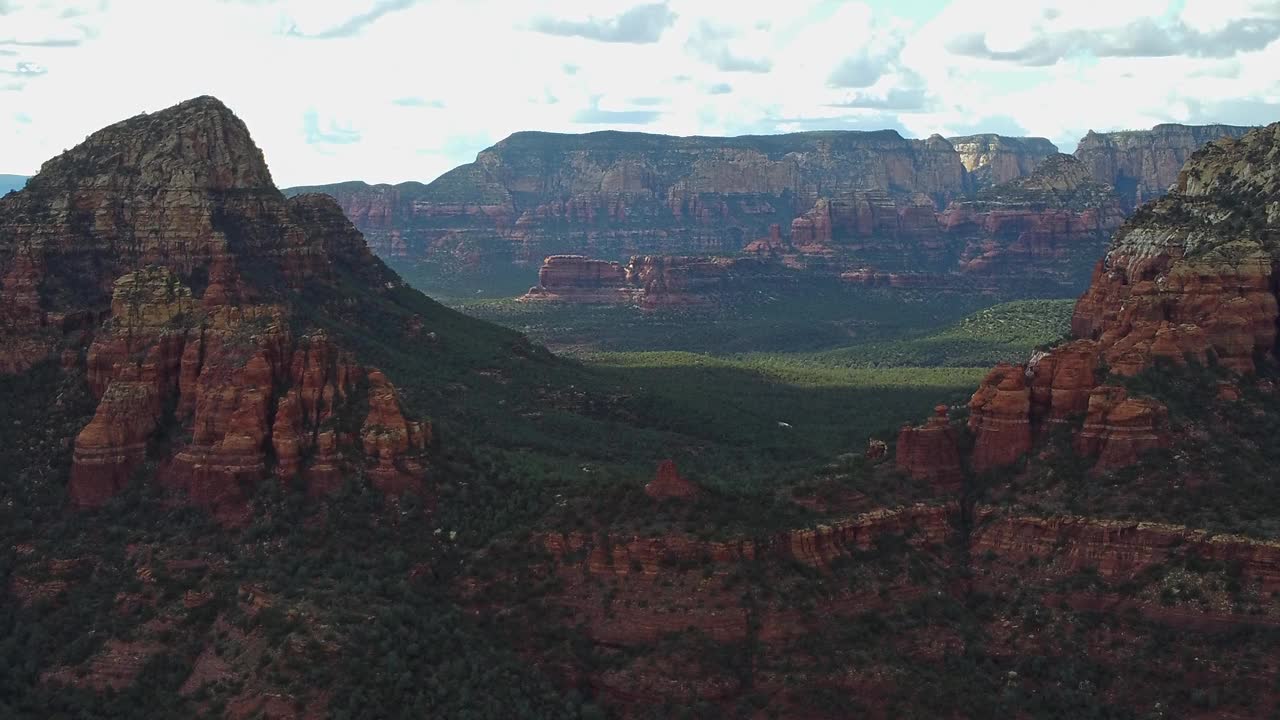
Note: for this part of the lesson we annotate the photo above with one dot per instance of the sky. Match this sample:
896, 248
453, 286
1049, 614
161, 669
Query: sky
395, 90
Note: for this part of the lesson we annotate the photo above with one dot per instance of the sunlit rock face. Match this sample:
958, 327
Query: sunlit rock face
1143, 164
1187, 279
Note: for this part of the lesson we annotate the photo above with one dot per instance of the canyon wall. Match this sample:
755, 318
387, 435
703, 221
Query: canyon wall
1187, 279
860, 200
612, 195
1142, 164
993, 159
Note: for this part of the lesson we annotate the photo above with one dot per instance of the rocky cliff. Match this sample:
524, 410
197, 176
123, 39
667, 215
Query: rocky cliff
158, 256
1142, 164
842, 200
1188, 279
993, 159
614, 194
1046, 225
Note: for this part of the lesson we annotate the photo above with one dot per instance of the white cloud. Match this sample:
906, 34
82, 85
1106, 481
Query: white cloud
390, 90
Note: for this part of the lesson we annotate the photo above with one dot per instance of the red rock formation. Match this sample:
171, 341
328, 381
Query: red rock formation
1119, 429
662, 585
1042, 226
199, 274
391, 441
930, 453
577, 278
1062, 381
1144, 163
770, 246
1187, 279
1117, 549
869, 221
811, 232
668, 484
1000, 418
613, 195
114, 443
1145, 306
993, 159
870, 277
648, 281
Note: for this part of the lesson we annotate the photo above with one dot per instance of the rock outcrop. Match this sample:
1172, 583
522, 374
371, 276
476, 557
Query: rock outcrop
931, 453
1000, 418
651, 281
161, 244
1120, 552
994, 159
577, 278
1187, 279
1118, 429
1046, 226
1143, 164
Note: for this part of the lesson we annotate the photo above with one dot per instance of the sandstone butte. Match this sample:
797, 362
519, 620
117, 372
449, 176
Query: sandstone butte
649, 281
869, 198
159, 257
1189, 277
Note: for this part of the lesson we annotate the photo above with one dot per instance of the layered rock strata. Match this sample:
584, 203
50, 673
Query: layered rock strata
1187, 279
930, 453
162, 244
992, 159
862, 198
1143, 164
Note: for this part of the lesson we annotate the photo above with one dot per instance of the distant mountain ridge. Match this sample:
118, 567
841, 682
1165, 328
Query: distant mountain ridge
1142, 164
613, 195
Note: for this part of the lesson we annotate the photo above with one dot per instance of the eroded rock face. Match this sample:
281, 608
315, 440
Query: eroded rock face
1118, 429
1188, 278
1046, 225
853, 198
1115, 549
613, 195
993, 159
930, 453
391, 442
1049, 223
1000, 418
172, 222
1142, 164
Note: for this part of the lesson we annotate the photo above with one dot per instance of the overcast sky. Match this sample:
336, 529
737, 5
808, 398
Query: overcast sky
392, 90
